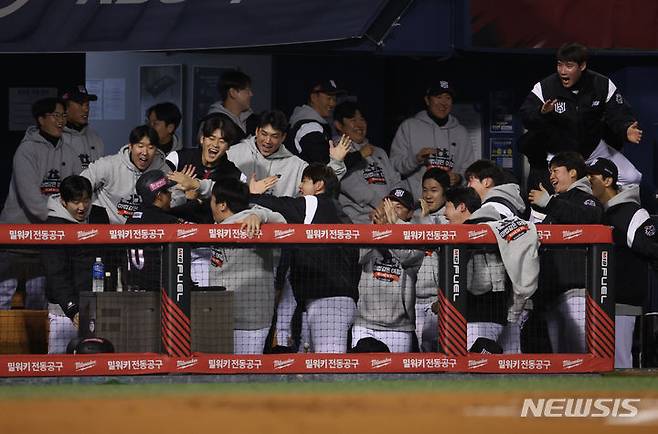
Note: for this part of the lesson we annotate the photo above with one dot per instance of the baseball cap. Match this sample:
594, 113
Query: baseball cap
605, 167
438, 87
404, 197
78, 94
327, 86
151, 183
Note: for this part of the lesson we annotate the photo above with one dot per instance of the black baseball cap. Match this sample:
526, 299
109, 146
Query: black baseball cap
438, 87
404, 197
327, 86
78, 94
151, 183
604, 167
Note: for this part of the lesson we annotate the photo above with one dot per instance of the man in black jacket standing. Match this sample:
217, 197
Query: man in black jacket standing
68, 270
324, 279
636, 251
576, 109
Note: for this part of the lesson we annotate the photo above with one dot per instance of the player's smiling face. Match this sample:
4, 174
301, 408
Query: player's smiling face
561, 178
142, 153
212, 148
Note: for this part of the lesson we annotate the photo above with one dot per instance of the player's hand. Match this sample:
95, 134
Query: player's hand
378, 215
76, 320
548, 106
424, 208
250, 224
184, 180
536, 197
633, 133
260, 187
389, 211
367, 150
422, 155
341, 149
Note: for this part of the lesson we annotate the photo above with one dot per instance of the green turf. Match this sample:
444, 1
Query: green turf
469, 384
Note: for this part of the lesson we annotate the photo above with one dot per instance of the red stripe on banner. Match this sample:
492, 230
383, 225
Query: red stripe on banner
173, 309
596, 309
450, 310
175, 328
175, 337
289, 234
455, 316
177, 316
602, 333
452, 328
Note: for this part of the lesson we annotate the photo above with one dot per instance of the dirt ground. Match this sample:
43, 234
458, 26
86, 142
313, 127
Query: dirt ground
311, 413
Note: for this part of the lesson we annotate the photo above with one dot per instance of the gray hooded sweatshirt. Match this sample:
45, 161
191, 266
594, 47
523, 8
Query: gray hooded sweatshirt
451, 141
362, 190
386, 289
38, 169
249, 160
241, 121
86, 143
249, 273
113, 180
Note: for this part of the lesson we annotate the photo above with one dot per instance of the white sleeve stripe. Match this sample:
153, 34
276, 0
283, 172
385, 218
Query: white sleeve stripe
309, 127
172, 157
611, 90
640, 216
311, 208
537, 91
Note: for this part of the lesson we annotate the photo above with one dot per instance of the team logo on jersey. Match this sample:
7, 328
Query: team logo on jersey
84, 160
127, 206
387, 269
589, 202
596, 103
619, 98
50, 184
218, 257
441, 159
512, 228
560, 107
373, 174
650, 230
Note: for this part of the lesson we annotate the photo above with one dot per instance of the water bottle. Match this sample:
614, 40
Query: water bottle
97, 275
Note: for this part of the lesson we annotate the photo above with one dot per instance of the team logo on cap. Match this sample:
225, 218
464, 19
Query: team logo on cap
444, 84
398, 193
156, 185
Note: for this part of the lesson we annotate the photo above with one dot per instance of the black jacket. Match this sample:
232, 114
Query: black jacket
564, 267
636, 245
317, 271
315, 145
68, 269
193, 211
143, 268
580, 120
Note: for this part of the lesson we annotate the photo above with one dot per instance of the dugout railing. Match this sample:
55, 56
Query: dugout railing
452, 243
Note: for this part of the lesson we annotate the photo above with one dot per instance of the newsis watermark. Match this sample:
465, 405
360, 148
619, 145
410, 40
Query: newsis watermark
580, 407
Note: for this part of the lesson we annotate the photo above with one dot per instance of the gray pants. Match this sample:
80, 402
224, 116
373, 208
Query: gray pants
22, 267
